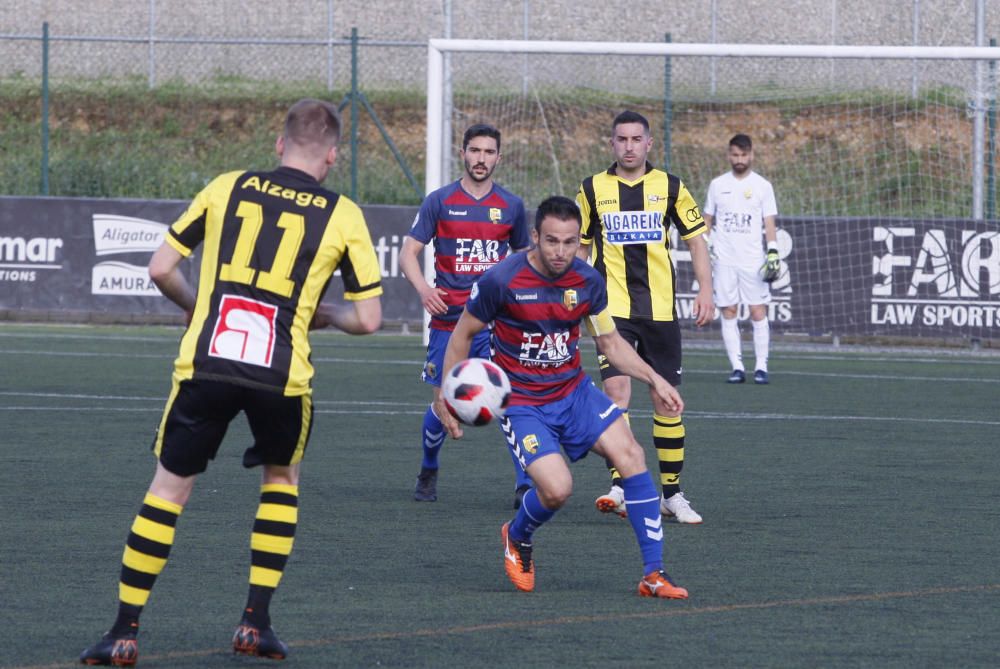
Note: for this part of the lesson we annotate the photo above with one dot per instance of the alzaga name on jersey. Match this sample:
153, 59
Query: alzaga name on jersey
470, 236
633, 227
536, 324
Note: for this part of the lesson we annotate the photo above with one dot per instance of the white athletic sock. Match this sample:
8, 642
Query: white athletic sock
731, 338
761, 343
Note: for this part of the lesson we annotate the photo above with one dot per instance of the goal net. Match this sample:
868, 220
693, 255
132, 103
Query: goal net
881, 159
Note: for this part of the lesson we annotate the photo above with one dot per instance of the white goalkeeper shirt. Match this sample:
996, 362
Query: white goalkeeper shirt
738, 208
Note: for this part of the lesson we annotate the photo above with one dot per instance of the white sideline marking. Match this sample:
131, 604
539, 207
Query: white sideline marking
171, 356
419, 408
134, 398
420, 361
344, 412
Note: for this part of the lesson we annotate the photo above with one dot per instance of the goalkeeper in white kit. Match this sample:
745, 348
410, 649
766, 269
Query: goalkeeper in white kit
740, 206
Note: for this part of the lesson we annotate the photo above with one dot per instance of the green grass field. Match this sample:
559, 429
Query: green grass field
851, 519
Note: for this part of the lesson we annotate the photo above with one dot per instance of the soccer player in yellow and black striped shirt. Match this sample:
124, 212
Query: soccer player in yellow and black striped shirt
271, 242
627, 213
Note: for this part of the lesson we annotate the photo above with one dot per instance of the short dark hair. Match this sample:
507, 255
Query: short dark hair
630, 117
480, 130
312, 121
741, 141
559, 207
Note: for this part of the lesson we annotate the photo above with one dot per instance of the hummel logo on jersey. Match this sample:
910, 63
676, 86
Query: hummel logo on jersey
452, 212
525, 296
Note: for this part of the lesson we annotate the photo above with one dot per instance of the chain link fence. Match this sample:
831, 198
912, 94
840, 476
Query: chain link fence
151, 99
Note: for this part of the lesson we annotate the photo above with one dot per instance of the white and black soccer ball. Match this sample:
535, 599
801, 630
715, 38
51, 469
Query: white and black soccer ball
476, 391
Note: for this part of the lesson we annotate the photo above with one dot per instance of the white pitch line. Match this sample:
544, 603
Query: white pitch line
85, 354
96, 409
693, 348
416, 362
874, 377
164, 356
134, 398
419, 411
889, 419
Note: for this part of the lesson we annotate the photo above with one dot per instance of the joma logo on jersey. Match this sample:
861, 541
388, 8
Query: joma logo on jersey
476, 255
544, 349
633, 227
244, 331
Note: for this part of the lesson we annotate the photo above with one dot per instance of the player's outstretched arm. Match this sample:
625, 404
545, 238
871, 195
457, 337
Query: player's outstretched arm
358, 317
459, 343
626, 360
410, 265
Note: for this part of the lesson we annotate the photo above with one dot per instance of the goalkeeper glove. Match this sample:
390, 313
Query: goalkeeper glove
772, 266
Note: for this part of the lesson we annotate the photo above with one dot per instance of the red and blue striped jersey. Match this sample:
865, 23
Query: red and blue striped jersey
536, 324
470, 236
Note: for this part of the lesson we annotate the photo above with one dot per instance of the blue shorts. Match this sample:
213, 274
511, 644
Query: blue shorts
575, 422
436, 346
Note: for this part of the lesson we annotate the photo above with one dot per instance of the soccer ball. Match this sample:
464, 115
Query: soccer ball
476, 391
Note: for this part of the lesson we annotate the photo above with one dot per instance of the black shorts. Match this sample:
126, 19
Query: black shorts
656, 342
199, 412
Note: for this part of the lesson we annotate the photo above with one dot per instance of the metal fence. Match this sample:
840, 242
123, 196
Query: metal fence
162, 41
193, 75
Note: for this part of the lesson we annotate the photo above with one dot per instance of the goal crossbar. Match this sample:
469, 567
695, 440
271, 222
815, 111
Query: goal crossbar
694, 49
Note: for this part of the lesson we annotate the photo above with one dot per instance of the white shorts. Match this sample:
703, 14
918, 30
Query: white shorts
736, 285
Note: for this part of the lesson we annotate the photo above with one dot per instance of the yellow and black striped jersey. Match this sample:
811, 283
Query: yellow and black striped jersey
627, 224
272, 241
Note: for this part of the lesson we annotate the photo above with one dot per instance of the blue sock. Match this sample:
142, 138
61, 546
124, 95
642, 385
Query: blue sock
522, 477
643, 504
432, 438
529, 517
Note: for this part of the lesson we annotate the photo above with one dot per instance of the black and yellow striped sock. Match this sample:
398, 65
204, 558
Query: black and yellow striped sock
616, 478
270, 546
146, 551
668, 437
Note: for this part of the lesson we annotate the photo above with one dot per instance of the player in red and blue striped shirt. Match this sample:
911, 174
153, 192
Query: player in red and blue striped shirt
474, 223
537, 301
